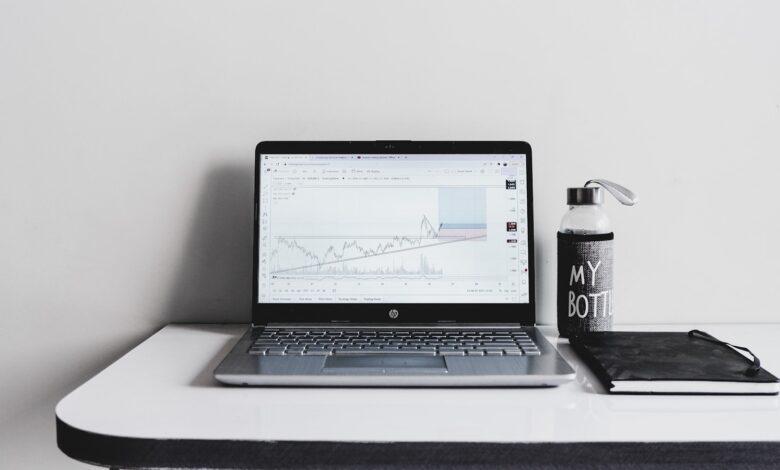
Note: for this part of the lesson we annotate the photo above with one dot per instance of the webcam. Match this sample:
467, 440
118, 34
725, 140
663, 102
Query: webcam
391, 145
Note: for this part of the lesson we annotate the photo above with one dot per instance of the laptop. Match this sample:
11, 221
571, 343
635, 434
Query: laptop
393, 263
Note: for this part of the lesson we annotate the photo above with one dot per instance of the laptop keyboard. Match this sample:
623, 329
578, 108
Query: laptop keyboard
326, 342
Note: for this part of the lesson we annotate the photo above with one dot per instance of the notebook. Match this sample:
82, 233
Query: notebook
670, 363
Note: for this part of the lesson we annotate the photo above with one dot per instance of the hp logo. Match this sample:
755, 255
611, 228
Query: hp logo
393, 313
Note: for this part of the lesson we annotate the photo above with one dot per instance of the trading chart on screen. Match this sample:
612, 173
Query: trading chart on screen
392, 229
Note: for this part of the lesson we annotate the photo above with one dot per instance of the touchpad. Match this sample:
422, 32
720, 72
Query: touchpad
388, 361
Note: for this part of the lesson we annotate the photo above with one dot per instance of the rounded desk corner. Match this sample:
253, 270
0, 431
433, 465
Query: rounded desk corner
88, 447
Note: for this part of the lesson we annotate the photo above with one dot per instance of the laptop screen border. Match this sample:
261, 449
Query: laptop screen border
405, 313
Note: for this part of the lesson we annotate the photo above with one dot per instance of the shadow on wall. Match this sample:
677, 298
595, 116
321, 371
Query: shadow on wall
545, 314
213, 281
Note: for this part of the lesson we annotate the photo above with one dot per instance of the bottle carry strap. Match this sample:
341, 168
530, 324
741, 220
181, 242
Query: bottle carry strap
621, 193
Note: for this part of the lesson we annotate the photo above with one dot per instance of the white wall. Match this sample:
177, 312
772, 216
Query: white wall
127, 132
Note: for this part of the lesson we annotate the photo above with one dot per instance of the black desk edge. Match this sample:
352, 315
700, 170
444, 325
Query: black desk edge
129, 452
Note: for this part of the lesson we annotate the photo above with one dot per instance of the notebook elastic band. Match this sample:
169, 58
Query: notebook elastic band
755, 365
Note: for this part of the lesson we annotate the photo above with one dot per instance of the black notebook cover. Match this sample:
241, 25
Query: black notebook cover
686, 364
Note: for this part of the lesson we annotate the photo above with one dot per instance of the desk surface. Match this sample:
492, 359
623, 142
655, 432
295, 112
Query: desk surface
164, 390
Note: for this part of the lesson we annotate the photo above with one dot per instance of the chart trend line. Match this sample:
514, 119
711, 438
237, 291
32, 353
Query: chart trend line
425, 270
430, 245
352, 251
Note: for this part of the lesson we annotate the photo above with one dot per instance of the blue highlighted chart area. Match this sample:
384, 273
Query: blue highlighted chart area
462, 213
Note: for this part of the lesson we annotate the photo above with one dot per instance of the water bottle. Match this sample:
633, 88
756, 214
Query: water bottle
585, 259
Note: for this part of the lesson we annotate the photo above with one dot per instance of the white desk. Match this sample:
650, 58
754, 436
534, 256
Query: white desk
162, 392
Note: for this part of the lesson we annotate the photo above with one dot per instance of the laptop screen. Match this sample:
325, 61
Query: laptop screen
392, 229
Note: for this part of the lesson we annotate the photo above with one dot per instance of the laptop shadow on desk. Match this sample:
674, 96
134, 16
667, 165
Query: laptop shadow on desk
212, 283
205, 377
585, 378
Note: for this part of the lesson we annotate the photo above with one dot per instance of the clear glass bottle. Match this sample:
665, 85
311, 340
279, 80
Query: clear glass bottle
585, 238
586, 219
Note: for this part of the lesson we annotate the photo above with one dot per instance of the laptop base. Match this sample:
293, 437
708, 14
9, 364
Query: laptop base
394, 370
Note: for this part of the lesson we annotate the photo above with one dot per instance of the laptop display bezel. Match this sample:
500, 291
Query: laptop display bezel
523, 313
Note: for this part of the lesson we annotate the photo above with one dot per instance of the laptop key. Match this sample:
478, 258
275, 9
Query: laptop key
494, 352
339, 352
453, 352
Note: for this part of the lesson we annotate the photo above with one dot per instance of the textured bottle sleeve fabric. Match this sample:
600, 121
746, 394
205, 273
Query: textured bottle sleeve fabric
585, 294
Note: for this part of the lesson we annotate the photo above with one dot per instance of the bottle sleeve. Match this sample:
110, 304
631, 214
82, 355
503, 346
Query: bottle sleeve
585, 291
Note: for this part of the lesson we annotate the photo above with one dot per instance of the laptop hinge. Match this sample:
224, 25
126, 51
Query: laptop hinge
459, 325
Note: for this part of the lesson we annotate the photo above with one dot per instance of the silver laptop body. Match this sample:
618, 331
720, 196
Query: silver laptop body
393, 263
